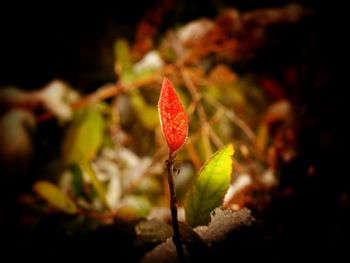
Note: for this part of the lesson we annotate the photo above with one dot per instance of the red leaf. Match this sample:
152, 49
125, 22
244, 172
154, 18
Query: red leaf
173, 118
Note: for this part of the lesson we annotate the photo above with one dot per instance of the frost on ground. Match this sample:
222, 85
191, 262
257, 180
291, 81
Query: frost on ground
223, 221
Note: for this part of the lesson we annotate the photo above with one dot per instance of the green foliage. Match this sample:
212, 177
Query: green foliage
55, 196
209, 187
77, 179
84, 136
122, 55
222, 105
146, 114
85, 165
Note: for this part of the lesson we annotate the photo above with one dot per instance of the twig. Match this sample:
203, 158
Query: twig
234, 118
108, 91
215, 138
169, 166
136, 182
104, 92
196, 97
201, 112
193, 154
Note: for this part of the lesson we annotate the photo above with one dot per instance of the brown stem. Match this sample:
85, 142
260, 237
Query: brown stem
169, 167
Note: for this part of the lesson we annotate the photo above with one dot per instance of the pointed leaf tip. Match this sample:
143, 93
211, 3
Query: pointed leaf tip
173, 118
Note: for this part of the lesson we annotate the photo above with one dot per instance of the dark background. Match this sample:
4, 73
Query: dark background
57, 40
42, 41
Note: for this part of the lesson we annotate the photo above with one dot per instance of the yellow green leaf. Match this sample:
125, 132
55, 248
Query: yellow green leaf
146, 114
55, 196
85, 136
77, 179
209, 187
123, 59
85, 165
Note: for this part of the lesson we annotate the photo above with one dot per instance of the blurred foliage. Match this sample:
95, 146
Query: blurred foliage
84, 136
111, 166
55, 196
87, 168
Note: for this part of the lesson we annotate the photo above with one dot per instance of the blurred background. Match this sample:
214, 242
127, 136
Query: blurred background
283, 58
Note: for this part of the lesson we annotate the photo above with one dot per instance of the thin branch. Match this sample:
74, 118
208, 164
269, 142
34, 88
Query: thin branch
201, 112
110, 90
215, 138
193, 154
136, 182
234, 118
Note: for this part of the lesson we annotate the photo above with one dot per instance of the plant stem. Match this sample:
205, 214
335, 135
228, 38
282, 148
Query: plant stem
169, 167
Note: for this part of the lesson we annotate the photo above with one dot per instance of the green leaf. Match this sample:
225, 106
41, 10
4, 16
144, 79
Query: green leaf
77, 179
209, 187
85, 165
146, 114
85, 136
123, 58
55, 196
143, 74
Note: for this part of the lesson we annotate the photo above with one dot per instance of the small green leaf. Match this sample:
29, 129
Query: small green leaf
143, 74
55, 196
77, 179
209, 187
84, 136
85, 165
123, 59
146, 114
